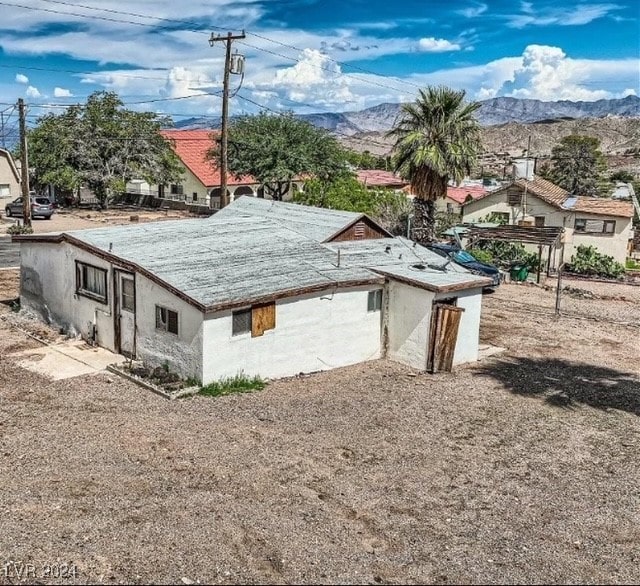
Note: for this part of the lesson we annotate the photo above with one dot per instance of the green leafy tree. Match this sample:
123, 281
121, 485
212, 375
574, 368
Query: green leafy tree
275, 149
577, 164
366, 160
437, 139
101, 145
345, 192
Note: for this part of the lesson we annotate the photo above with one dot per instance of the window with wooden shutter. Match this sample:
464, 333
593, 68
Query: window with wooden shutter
263, 318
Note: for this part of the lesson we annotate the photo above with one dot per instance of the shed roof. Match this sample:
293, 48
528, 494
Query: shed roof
232, 260
192, 146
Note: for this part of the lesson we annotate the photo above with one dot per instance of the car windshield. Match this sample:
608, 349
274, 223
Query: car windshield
463, 256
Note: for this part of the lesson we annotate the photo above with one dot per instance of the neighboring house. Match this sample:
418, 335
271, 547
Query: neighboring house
267, 288
201, 179
377, 179
9, 178
457, 197
600, 222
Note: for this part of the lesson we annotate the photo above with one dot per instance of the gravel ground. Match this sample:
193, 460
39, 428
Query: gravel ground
523, 468
79, 219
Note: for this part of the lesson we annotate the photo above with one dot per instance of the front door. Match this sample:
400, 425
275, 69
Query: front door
125, 314
445, 321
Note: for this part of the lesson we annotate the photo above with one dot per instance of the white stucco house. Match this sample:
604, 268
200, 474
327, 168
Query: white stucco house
9, 178
601, 222
267, 288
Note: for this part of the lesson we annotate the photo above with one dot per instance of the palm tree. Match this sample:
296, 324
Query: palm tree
437, 139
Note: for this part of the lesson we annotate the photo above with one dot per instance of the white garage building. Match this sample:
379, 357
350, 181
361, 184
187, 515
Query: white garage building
265, 288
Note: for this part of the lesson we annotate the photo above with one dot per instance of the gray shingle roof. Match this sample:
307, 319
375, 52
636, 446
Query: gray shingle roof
316, 223
234, 259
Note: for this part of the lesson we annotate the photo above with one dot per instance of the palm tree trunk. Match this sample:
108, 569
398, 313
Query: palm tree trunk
424, 220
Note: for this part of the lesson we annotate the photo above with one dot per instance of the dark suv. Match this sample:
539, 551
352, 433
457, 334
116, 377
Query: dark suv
40, 206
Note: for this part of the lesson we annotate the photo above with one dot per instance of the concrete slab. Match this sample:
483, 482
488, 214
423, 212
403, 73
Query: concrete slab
67, 359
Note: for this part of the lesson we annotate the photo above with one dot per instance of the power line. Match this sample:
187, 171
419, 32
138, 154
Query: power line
200, 30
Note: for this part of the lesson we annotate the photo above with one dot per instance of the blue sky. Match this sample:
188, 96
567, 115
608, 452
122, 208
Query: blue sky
309, 55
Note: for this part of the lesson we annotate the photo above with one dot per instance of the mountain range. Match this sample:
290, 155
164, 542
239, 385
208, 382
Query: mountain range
382, 117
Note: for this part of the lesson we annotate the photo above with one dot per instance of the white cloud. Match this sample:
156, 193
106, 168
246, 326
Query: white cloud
473, 11
562, 16
433, 45
21, 78
32, 92
60, 92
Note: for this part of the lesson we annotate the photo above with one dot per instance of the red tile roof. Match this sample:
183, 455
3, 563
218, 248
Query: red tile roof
379, 178
461, 194
192, 146
604, 207
561, 199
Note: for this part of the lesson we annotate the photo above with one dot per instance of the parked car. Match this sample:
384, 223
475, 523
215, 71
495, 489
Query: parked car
468, 261
40, 206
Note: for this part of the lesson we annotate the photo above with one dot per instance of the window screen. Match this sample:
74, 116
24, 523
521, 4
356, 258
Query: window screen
241, 322
374, 300
91, 282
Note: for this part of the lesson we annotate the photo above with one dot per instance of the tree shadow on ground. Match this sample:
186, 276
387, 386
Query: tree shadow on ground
564, 384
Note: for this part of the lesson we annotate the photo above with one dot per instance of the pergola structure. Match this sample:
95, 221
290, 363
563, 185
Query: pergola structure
550, 237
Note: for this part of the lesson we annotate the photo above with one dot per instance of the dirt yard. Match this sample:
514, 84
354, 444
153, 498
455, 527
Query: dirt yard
523, 468
79, 219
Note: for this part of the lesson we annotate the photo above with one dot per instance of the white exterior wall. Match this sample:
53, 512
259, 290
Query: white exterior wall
313, 332
408, 324
477, 210
48, 287
469, 330
615, 245
182, 352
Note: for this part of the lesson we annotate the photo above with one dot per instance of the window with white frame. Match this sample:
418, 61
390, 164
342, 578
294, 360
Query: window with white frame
91, 281
374, 300
166, 320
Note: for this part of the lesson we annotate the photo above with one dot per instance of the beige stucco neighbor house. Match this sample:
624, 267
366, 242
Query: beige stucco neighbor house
9, 178
268, 288
201, 179
600, 222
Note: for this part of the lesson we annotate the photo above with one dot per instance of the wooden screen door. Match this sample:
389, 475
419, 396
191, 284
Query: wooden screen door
445, 322
125, 313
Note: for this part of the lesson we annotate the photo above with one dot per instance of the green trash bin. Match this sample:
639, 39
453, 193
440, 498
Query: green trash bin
519, 273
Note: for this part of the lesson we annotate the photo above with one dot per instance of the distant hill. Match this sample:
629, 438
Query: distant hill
617, 136
381, 118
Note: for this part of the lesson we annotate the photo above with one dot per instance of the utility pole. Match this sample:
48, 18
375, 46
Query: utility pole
24, 171
224, 138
